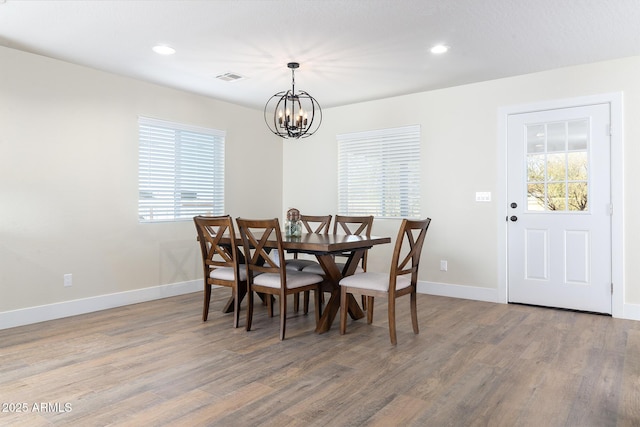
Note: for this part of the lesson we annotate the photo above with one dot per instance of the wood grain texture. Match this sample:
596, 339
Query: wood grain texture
473, 364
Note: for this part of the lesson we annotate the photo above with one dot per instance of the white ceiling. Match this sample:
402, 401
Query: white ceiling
349, 50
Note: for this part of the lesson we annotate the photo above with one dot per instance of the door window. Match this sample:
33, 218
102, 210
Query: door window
558, 166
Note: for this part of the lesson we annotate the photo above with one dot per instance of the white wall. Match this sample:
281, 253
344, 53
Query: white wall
68, 180
68, 184
459, 157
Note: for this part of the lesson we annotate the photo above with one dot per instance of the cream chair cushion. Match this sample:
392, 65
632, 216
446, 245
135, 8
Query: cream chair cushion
226, 273
317, 269
375, 281
295, 279
300, 264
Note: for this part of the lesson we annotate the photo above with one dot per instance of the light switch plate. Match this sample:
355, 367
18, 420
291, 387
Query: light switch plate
483, 196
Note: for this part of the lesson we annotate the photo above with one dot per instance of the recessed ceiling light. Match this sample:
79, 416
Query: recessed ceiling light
440, 48
164, 50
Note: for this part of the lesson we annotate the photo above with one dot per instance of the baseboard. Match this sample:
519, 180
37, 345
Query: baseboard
27, 316
42, 313
631, 312
458, 291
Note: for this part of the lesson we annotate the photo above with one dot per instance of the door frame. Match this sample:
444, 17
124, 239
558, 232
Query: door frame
615, 101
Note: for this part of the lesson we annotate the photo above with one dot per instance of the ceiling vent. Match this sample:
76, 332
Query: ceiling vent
230, 77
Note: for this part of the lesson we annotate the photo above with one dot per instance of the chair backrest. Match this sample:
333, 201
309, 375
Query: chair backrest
211, 229
408, 247
255, 234
318, 224
356, 225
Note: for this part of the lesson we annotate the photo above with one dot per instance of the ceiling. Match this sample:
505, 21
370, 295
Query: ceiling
349, 50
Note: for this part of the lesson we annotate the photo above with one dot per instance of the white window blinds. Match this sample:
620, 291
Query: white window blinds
180, 171
379, 173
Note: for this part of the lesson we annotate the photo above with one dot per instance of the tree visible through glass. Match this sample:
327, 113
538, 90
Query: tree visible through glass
558, 166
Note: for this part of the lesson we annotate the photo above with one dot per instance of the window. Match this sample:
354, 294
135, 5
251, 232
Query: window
558, 166
180, 171
379, 173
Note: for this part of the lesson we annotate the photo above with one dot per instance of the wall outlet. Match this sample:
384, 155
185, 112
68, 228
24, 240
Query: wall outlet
68, 280
443, 265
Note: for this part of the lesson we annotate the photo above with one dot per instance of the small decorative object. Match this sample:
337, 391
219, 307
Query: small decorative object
293, 225
291, 114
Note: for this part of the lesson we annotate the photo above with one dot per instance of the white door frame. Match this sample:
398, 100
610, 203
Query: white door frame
617, 190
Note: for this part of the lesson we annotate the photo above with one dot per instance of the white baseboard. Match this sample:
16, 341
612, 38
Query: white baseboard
458, 291
42, 313
631, 312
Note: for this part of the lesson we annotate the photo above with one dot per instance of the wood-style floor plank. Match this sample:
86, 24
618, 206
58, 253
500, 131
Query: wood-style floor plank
473, 364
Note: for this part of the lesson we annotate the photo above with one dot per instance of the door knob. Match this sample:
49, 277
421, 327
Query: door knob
513, 218
514, 205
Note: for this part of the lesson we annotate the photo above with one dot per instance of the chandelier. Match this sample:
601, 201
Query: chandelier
291, 114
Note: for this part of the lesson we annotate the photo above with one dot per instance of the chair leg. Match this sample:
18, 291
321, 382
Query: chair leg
392, 321
414, 311
306, 301
207, 299
249, 308
270, 305
369, 310
296, 302
236, 306
343, 310
317, 304
283, 315
364, 302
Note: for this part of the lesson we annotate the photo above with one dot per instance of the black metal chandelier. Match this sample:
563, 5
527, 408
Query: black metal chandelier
291, 114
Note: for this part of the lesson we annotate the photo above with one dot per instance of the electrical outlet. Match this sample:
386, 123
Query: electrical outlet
68, 280
443, 265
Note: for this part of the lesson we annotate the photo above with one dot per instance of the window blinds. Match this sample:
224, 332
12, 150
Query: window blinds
181, 171
379, 173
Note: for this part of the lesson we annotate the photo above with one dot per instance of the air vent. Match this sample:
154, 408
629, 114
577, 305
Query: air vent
230, 77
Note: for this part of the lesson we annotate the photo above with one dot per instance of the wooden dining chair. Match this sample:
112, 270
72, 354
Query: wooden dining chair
401, 280
348, 225
318, 224
220, 261
269, 277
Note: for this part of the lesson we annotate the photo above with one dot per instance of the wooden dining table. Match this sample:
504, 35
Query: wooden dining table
324, 247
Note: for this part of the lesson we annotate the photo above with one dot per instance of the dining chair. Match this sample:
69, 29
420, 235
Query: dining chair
318, 224
348, 225
269, 277
401, 280
220, 262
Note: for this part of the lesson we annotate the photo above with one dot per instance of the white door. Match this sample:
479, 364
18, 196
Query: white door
559, 213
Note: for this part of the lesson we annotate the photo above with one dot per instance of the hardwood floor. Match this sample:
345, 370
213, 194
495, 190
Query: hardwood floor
473, 364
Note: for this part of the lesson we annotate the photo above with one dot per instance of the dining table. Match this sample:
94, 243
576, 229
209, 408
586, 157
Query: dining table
325, 247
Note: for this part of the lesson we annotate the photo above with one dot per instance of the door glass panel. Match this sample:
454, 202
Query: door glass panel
556, 137
556, 195
537, 197
577, 166
577, 196
578, 134
558, 166
536, 167
535, 138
